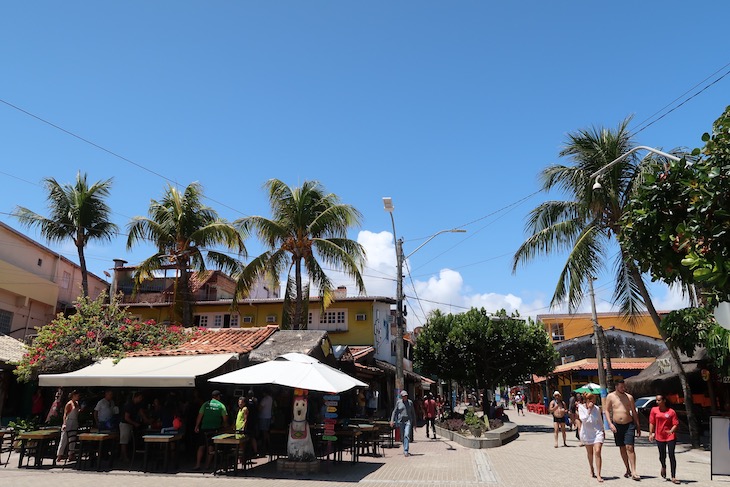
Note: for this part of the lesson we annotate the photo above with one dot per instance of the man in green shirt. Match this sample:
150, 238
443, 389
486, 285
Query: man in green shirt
212, 416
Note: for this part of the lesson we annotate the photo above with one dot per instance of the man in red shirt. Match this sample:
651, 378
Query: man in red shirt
663, 424
429, 414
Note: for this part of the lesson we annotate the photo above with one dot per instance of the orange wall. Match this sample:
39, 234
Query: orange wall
578, 325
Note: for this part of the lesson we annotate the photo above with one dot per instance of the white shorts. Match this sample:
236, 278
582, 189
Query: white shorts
125, 433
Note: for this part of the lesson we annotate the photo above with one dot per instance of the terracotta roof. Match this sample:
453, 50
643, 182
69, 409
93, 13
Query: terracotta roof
368, 368
212, 341
286, 341
11, 349
387, 366
616, 364
359, 352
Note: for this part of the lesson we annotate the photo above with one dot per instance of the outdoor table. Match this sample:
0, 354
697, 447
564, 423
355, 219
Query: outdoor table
368, 439
348, 440
166, 441
43, 439
227, 443
110, 439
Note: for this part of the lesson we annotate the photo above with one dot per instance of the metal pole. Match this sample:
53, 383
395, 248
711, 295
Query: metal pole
399, 378
596, 334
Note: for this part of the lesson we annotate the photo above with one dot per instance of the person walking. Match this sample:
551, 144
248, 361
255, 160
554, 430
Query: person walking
429, 414
70, 427
404, 415
589, 421
520, 403
623, 420
574, 414
558, 409
663, 424
212, 416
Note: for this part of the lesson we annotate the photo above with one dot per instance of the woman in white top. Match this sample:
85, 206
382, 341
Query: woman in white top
590, 421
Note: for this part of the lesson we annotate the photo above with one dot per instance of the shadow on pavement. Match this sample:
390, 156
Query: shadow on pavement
329, 471
532, 428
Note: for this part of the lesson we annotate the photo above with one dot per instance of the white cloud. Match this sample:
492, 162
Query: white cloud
448, 292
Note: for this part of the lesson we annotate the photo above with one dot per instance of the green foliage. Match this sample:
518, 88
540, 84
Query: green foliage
22, 425
690, 328
95, 331
308, 228
677, 224
473, 347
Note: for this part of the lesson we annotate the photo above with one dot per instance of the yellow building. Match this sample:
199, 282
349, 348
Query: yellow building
562, 327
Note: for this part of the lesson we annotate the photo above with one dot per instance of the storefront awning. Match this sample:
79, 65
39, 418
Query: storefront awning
165, 371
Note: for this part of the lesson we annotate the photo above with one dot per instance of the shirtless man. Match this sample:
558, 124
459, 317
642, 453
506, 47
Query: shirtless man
623, 420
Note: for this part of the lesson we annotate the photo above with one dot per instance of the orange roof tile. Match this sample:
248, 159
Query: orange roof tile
211, 341
359, 352
616, 364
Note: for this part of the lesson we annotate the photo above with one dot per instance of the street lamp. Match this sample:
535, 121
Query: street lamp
620, 158
399, 375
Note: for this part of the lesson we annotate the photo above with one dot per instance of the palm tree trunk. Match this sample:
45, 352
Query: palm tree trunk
694, 433
603, 342
186, 297
84, 270
297, 321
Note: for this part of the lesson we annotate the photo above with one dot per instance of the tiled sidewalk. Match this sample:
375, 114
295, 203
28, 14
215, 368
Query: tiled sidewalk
528, 461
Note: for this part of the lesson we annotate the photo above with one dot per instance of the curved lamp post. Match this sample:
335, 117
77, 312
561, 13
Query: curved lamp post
400, 258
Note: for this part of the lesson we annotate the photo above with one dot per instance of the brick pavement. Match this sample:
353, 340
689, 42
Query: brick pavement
529, 460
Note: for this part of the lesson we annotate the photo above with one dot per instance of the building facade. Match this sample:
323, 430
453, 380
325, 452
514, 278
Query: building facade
36, 283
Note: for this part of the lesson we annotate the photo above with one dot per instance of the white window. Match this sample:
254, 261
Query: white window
217, 321
558, 333
66, 280
234, 321
309, 320
331, 320
247, 319
360, 317
203, 320
271, 319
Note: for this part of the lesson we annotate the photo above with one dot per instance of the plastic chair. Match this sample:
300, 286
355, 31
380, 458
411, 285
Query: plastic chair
6, 445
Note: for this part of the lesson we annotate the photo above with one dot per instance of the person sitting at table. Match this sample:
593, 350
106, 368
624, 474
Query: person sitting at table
104, 411
133, 416
212, 416
70, 427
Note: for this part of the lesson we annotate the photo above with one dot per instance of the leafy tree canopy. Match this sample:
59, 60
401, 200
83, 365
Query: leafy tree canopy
486, 350
95, 331
690, 328
677, 224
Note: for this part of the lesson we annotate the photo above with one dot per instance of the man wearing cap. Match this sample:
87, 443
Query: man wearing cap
558, 409
212, 416
404, 415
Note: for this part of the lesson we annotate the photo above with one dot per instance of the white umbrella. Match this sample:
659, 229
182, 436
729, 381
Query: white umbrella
293, 370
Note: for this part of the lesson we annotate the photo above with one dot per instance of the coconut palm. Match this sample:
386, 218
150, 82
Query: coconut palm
308, 226
78, 213
184, 231
586, 224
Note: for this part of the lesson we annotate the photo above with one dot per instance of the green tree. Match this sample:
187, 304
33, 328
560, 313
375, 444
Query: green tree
585, 225
96, 330
677, 224
308, 226
78, 213
475, 348
185, 231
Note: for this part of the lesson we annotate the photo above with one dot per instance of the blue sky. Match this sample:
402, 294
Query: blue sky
450, 108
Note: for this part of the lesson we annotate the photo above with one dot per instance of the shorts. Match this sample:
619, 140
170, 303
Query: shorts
558, 420
519, 407
125, 433
205, 438
625, 434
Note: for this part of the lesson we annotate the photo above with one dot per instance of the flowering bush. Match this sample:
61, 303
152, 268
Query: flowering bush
95, 331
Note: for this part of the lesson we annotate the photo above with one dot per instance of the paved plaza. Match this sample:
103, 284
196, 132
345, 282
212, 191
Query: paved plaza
528, 461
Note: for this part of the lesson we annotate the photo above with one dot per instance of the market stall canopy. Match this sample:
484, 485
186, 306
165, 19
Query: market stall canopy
590, 387
293, 370
167, 371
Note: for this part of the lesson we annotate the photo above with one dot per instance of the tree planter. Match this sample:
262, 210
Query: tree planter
292, 466
489, 439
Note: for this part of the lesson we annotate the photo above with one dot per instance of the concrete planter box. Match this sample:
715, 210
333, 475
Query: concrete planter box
489, 439
290, 466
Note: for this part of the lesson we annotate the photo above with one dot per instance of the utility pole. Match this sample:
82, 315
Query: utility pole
399, 378
597, 334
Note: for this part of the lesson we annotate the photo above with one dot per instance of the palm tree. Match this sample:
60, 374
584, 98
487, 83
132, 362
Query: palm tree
585, 225
184, 230
78, 212
308, 225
